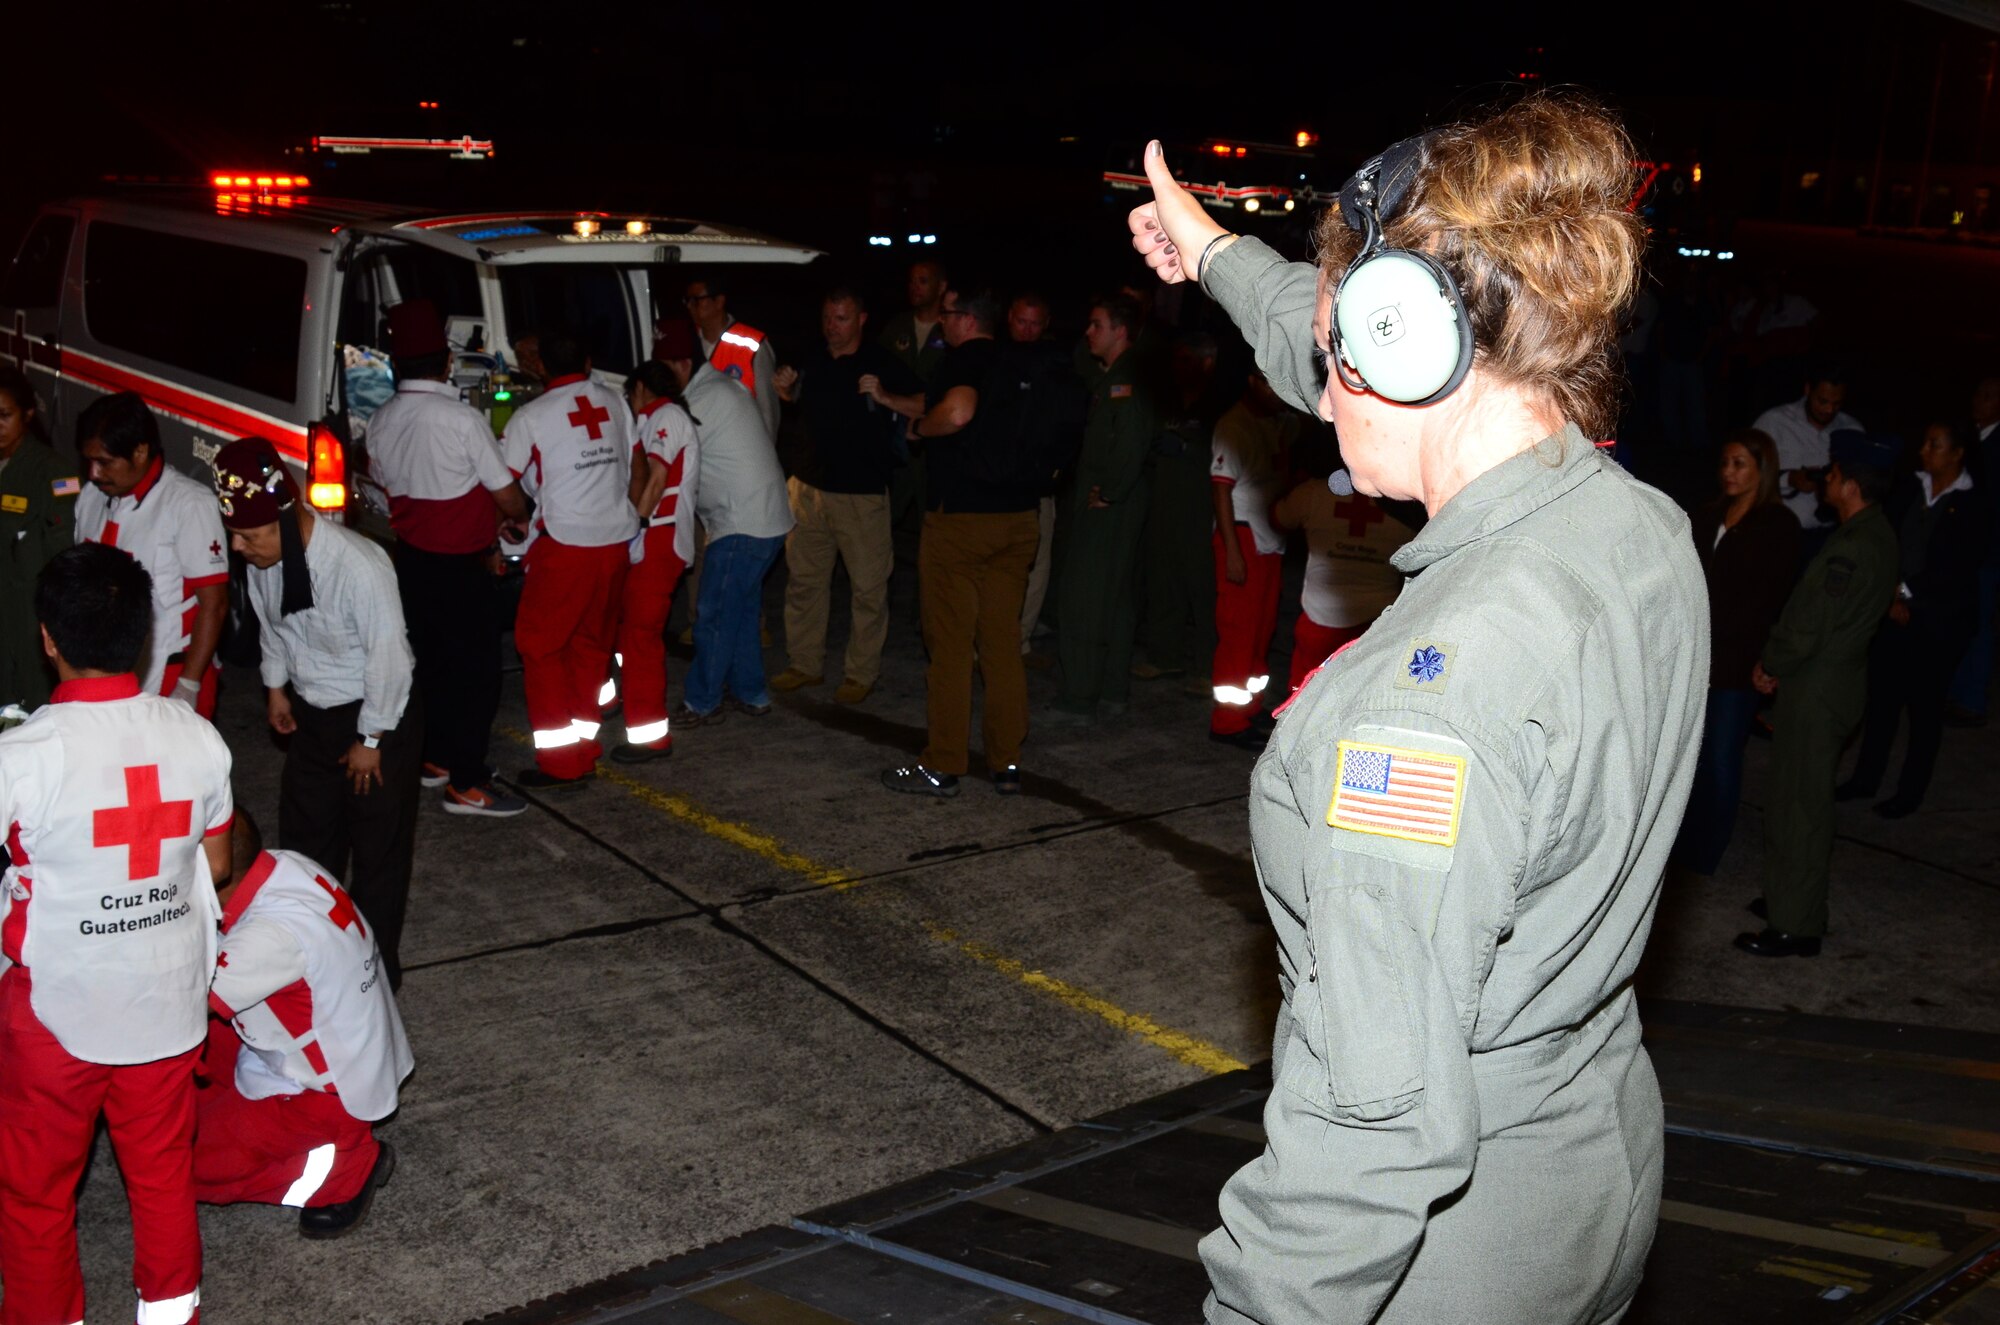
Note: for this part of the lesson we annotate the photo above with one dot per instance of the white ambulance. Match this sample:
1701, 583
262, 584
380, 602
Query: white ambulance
253, 308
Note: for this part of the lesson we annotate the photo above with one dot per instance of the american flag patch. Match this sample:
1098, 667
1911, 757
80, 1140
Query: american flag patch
65, 487
1391, 792
1121, 391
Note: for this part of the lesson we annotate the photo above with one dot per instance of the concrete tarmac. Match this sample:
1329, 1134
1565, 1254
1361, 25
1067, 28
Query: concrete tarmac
704, 994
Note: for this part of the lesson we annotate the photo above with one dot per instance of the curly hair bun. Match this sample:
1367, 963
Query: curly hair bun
1528, 208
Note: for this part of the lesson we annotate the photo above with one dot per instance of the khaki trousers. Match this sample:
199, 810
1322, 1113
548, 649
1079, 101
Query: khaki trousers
843, 526
973, 571
1038, 575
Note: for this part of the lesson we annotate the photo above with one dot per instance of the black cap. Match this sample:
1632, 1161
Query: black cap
1851, 448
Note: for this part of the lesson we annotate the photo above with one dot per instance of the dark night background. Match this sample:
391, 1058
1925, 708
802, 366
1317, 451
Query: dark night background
991, 127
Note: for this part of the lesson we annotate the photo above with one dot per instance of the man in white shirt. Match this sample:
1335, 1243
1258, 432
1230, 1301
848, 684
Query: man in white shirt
309, 1053
1247, 469
438, 461
337, 676
743, 506
1801, 428
166, 520
117, 807
571, 450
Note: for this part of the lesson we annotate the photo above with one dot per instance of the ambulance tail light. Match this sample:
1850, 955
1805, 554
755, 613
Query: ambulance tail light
326, 470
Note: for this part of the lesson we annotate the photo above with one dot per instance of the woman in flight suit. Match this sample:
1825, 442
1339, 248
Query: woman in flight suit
1461, 821
37, 507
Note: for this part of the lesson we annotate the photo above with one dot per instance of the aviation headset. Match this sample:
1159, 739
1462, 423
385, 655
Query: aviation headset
1399, 327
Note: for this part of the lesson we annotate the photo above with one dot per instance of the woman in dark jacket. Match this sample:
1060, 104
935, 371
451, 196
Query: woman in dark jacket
1941, 531
1749, 548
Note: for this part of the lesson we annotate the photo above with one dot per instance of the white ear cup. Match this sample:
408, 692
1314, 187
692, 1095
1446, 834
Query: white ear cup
1400, 327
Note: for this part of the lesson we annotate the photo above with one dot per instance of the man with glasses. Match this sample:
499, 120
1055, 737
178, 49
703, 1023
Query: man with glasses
734, 349
979, 539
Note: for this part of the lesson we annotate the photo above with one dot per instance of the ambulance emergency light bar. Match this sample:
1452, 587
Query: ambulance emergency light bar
231, 179
1251, 198
889, 241
466, 148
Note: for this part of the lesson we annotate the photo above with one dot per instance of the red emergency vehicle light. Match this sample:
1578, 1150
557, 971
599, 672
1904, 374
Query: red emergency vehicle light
326, 471
230, 180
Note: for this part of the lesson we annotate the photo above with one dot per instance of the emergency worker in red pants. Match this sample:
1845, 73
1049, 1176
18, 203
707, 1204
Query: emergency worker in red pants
117, 807
663, 487
1247, 466
571, 450
310, 1055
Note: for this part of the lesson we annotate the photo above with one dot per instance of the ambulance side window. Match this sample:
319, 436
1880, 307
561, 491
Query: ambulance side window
229, 314
35, 278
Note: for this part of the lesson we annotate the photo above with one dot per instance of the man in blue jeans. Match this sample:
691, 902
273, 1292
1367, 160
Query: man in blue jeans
740, 497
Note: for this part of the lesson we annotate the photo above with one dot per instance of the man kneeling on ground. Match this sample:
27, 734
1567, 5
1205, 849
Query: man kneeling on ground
310, 1053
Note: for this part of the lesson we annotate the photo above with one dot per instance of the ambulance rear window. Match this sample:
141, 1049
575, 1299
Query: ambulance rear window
229, 314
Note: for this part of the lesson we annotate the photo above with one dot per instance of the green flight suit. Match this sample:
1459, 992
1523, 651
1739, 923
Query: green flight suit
1818, 651
1460, 826
1098, 595
922, 357
1179, 559
37, 517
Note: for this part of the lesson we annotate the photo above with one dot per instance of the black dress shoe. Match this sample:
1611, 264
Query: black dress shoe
332, 1221
1896, 807
1853, 790
1777, 943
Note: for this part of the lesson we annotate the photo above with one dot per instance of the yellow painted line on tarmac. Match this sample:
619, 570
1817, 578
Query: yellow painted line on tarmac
1194, 1052
1189, 1049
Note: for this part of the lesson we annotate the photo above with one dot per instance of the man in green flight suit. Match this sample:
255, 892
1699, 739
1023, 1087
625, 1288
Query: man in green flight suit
37, 515
1179, 563
1816, 662
1097, 596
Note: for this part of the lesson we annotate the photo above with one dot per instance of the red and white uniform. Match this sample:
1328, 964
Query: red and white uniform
436, 458
314, 1049
171, 526
106, 794
1245, 458
571, 449
666, 437
1349, 579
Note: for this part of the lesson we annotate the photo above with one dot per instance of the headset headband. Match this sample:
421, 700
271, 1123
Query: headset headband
1374, 194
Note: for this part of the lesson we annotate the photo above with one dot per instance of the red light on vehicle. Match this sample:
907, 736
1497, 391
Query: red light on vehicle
1306, 138
222, 181
1220, 149
1243, 151
326, 472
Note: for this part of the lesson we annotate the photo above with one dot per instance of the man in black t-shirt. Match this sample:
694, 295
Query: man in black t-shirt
979, 540
840, 497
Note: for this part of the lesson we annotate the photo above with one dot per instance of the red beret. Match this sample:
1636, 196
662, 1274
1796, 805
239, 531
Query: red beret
674, 339
252, 484
415, 329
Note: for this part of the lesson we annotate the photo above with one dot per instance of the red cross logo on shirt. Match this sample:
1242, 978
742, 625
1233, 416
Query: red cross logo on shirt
1359, 512
144, 823
589, 415
343, 915
214, 549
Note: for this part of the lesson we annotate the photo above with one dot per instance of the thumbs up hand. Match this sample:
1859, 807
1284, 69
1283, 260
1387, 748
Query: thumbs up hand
1172, 231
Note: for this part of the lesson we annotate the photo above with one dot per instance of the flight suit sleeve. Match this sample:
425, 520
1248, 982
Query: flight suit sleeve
1811, 612
1374, 1116
1272, 303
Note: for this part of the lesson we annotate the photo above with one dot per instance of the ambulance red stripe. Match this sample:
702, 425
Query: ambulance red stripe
187, 404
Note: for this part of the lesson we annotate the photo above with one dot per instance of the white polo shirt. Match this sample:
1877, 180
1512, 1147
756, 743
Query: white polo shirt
171, 526
437, 459
1245, 456
742, 489
105, 797
1801, 445
667, 434
571, 449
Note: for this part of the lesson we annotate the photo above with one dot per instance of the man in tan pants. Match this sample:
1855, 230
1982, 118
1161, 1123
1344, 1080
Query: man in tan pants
840, 498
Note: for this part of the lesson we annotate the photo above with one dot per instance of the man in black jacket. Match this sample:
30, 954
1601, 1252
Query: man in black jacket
1941, 537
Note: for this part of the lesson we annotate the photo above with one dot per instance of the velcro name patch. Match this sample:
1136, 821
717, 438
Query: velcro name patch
1391, 791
